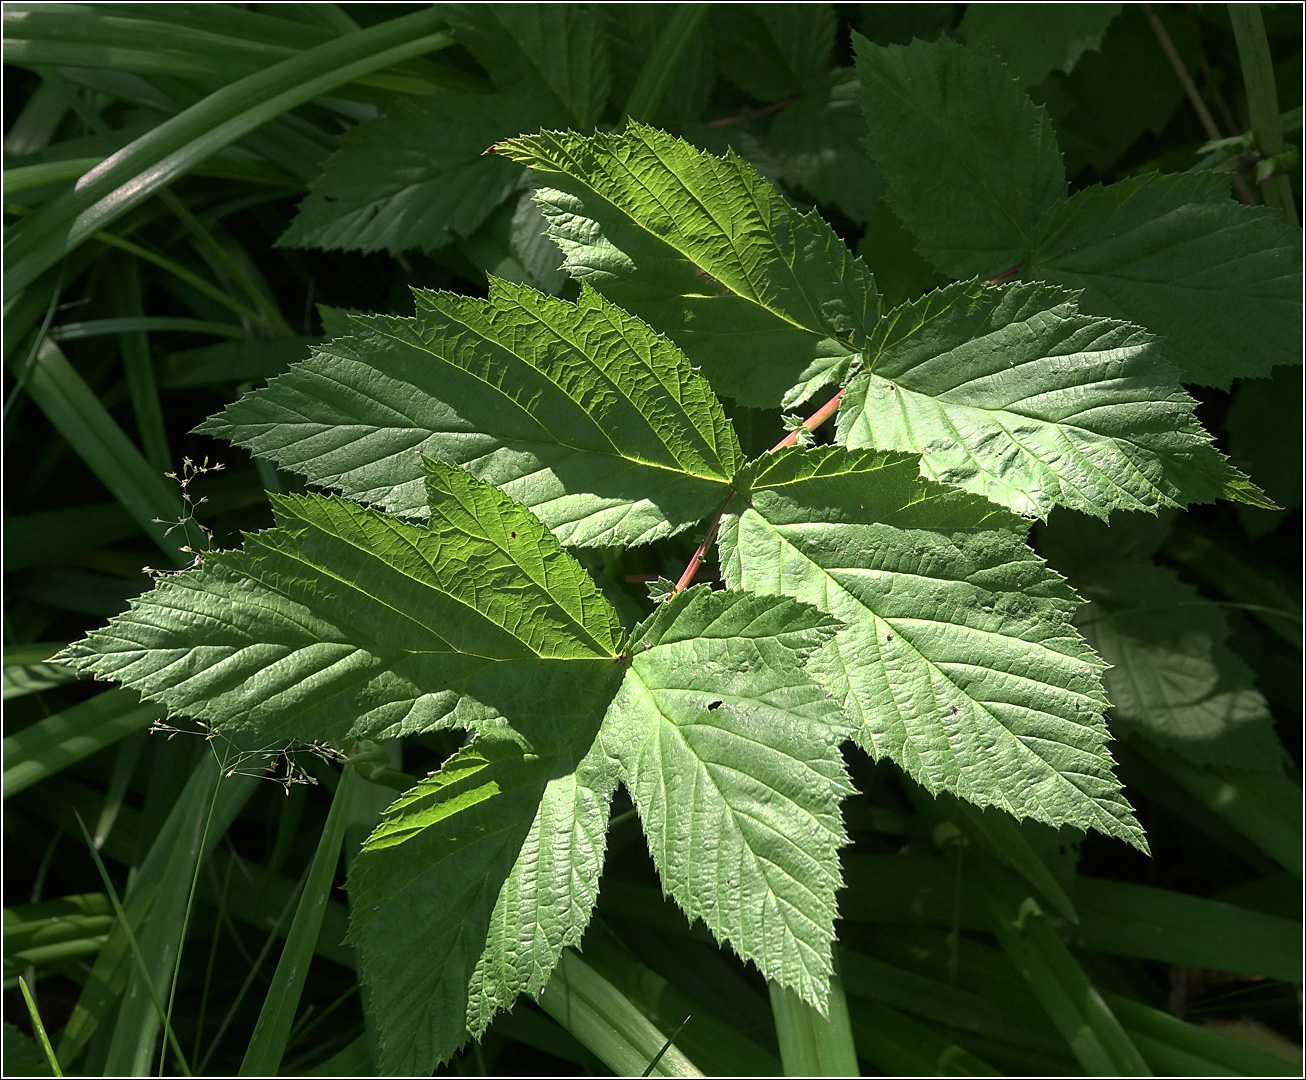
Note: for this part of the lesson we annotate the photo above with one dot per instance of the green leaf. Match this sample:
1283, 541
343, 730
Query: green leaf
343, 623
1015, 395
730, 754
1035, 39
773, 51
496, 858
1173, 679
816, 144
1221, 281
705, 250
958, 659
580, 412
419, 175
972, 163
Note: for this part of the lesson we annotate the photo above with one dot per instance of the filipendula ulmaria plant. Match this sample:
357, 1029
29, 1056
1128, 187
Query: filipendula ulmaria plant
880, 589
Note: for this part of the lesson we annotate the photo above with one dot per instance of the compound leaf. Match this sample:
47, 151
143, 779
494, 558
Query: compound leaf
579, 411
419, 175
958, 659
1221, 281
972, 164
731, 755
496, 858
1015, 395
1173, 679
705, 250
773, 51
343, 622
1035, 39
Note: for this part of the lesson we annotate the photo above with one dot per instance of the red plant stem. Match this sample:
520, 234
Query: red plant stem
1006, 275
765, 110
1194, 96
700, 555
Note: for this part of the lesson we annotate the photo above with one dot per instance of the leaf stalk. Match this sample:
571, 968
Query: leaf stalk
700, 554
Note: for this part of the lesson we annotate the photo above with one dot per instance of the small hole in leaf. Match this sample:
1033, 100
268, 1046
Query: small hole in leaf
712, 706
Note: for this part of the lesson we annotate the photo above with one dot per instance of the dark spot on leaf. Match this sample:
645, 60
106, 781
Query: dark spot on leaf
712, 706
513, 535
888, 637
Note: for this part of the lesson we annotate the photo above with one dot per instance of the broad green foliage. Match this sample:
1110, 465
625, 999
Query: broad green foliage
578, 411
773, 51
1035, 39
1013, 394
418, 176
1175, 254
497, 858
880, 589
345, 623
957, 659
1173, 680
705, 250
972, 164
975, 174
725, 745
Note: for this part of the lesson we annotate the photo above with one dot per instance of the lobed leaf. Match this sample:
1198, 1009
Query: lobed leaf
731, 755
958, 659
418, 175
705, 250
975, 174
1013, 394
773, 51
1036, 39
343, 623
578, 411
1173, 679
471, 886
972, 164
1221, 281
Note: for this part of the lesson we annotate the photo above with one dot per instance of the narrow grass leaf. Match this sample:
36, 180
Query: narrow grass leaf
268, 1045
39, 1028
1073, 1003
78, 415
172, 148
68, 736
813, 1044
606, 1022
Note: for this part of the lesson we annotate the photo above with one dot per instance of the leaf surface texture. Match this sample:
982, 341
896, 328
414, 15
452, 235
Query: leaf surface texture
958, 659
579, 411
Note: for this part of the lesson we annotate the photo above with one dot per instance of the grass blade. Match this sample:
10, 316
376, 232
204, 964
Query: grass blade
78, 416
266, 1048
56, 742
171, 149
39, 1028
1096, 1038
660, 68
1177, 1048
811, 1044
605, 1021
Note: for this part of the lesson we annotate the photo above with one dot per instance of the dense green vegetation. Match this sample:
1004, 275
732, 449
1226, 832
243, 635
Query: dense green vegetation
790, 752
